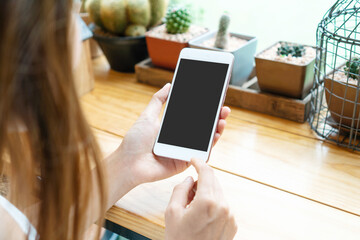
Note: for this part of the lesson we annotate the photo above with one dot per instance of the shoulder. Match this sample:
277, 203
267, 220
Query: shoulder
9, 229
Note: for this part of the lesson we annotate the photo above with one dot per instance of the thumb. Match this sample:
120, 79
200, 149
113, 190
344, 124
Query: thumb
181, 193
157, 101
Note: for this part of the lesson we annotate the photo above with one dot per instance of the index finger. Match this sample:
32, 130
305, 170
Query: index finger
206, 180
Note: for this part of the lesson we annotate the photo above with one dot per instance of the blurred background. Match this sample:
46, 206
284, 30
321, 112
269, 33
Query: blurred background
268, 20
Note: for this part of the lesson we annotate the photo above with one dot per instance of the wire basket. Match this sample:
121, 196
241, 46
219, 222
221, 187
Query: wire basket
335, 103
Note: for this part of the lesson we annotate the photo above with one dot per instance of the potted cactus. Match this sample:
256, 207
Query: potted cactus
286, 69
120, 27
341, 88
166, 41
241, 46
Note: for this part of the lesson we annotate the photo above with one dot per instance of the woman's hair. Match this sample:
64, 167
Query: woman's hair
47, 149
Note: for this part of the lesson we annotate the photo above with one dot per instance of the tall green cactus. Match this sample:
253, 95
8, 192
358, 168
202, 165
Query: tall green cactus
121, 16
222, 34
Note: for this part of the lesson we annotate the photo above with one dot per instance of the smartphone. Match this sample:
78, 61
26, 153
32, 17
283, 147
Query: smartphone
193, 106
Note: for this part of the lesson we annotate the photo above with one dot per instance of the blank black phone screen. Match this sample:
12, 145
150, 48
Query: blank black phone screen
193, 104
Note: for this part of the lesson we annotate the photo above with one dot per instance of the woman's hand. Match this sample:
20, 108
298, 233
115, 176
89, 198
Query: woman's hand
203, 216
136, 148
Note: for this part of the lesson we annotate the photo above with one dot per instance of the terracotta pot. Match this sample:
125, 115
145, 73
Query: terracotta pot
164, 53
341, 99
243, 56
291, 80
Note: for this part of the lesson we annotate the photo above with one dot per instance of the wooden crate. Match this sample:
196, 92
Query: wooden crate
247, 96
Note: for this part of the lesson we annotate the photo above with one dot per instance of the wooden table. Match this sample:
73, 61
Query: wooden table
280, 179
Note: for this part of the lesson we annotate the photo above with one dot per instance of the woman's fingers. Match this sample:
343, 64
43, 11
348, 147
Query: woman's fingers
219, 130
230, 228
225, 112
221, 126
216, 138
157, 101
180, 196
208, 216
206, 180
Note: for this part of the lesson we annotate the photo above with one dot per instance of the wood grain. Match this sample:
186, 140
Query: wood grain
261, 212
279, 153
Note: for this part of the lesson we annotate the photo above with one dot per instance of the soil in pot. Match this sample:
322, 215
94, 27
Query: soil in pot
286, 75
340, 93
164, 48
121, 52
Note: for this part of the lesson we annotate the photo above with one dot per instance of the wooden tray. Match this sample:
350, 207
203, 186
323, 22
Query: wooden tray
247, 96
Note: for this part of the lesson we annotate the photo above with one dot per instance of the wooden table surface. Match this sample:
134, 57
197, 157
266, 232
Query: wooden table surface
280, 179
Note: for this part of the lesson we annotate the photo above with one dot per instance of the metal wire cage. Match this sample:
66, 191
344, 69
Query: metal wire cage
335, 105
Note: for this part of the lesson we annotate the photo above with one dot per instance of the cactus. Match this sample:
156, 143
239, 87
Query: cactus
113, 15
116, 16
139, 12
177, 20
352, 68
93, 8
158, 10
222, 34
292, 49
135, 30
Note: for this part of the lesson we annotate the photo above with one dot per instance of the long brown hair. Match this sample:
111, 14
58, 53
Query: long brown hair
45, 140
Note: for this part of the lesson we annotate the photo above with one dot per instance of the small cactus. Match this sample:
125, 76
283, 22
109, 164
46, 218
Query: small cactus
222, 34
177, 20
352, 68
294, 50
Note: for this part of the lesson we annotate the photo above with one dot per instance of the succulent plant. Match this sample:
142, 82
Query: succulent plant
121, 16
177, 20
291, 49
222, 33
352, 68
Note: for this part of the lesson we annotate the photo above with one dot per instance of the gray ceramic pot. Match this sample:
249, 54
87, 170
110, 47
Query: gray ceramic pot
244, 56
